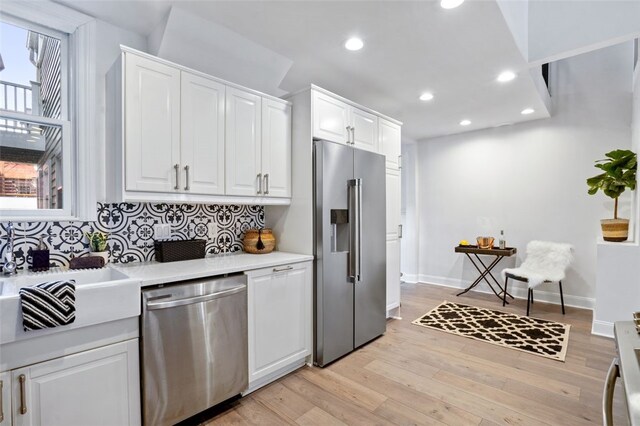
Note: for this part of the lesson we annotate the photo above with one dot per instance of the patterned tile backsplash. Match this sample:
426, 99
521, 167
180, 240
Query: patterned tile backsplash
130, 229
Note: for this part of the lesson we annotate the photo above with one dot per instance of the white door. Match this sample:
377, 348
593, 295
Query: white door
95, 387
394, 189
365, 130
276, 148
330, 118
5, 399
202, 142
152, 125
280, 323
243, 143
393, 274
394, 220
390, 142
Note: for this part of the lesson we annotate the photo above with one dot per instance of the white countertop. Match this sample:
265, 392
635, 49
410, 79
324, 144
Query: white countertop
152, 273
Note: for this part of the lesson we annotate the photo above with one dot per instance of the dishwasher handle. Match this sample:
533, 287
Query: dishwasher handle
196, 299
607, 395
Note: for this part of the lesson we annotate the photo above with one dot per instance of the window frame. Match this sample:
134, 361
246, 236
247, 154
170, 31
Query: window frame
78, 105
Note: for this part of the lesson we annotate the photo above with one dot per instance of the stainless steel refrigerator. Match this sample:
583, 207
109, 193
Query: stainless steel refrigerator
350, 249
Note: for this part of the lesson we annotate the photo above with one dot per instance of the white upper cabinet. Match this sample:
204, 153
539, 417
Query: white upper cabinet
330, 118
202, 148
337, 121
152, 125
364, 130
390, 142
178, 135
243, 143
276, 148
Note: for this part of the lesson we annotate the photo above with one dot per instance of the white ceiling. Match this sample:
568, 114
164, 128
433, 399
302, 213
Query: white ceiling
410, 47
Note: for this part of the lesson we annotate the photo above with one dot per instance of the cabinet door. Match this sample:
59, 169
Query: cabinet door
280, 322
152, 124
276, 148
394, 218
393, 274
96, 387
242, 145
365, 129
390, 142
330, 118
202, 141
5, 399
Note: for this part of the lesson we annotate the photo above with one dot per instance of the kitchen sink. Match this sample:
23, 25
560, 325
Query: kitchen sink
102, 295
9, 285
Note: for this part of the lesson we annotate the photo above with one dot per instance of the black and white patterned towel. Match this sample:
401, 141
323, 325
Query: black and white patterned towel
48, 305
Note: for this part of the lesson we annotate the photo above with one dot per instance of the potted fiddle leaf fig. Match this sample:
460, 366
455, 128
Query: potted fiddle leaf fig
619, 173
98, 244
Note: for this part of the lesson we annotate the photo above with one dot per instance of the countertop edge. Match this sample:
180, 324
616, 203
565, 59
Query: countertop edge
627, 340
205, 267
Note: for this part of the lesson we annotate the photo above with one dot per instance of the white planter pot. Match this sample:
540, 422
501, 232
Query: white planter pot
102, 254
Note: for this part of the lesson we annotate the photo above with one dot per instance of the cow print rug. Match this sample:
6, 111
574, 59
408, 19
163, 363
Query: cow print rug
533, 335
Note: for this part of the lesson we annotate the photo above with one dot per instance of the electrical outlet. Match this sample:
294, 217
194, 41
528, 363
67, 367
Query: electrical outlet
158, 232
212, 231
166, 232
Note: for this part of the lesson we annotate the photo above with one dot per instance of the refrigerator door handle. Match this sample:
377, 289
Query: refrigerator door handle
355, 222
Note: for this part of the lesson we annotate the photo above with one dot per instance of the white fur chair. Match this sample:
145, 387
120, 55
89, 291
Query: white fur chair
546, 262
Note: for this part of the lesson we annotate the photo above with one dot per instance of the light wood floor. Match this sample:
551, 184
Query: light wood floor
414, 375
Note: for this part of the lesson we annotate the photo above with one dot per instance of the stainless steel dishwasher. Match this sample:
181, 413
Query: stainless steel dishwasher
194, 347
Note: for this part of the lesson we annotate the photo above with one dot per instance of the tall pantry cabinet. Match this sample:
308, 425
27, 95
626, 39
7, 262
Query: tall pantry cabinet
320, 114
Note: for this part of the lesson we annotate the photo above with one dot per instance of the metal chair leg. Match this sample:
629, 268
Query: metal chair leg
504, 295
531, 290
529, 295
561, 296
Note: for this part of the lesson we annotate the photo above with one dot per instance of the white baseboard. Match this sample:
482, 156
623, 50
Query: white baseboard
602, 328
410, 278
517, 289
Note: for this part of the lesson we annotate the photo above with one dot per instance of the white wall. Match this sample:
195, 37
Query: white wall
529, 179
618, 269
108, 41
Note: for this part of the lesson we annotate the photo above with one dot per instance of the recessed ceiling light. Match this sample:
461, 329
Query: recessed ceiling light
465, 122
354, 43
426, 96
506, 76
450, 4
527, 111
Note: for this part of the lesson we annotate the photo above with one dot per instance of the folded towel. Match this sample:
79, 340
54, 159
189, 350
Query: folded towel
48, 305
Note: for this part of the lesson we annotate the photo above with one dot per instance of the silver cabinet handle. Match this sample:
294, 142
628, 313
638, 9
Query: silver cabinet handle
177, 169
23, 398
399, 161
266, 184
287, 268
348, 135
259, 183
1, 401
399, 231
353, 135
607, 395
355, 222
186, 170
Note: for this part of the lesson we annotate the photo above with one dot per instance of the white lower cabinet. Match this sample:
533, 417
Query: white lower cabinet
95, 387
280, 321
393, 275
5, 399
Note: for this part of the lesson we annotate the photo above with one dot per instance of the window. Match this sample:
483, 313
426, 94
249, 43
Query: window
33, 118
47, 112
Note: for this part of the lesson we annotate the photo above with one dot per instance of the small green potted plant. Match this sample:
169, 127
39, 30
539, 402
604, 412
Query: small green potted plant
619, 173
98, 244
